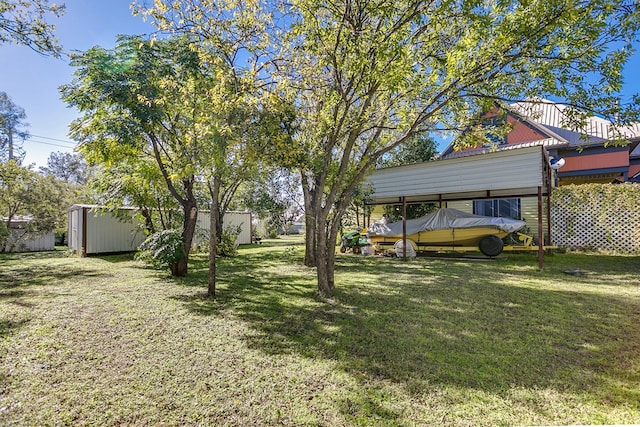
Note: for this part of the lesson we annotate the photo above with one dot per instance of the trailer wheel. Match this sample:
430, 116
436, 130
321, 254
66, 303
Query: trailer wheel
343, 249
491, 245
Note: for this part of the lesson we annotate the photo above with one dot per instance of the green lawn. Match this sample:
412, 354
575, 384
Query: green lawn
106, 341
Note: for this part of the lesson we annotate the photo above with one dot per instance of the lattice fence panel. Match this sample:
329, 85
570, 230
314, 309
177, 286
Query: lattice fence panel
597, 216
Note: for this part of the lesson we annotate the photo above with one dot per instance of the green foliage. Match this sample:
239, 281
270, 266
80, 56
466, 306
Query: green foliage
25, 193
70, 168
275, 198
162, 249
417, 149
228, 244
147, 120
12, 128
24, 22
393, 213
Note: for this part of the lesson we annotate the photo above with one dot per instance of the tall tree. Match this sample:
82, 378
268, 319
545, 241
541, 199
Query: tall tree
234, 36
67, 167
371, 74
25, 22
145, 98
12, 127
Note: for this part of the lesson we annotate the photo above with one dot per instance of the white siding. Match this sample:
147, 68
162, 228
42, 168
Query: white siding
105, 233
500, 174
232, 218
32, 242
108, 234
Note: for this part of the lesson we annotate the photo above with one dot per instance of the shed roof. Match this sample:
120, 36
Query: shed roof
507, 173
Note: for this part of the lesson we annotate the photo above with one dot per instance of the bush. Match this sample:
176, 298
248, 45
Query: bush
4, 236
228, 245
162, 249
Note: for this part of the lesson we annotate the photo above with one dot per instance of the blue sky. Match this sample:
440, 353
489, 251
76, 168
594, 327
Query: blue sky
32, 80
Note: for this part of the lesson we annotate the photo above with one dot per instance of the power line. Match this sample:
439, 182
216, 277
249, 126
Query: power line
48, 143
54, 139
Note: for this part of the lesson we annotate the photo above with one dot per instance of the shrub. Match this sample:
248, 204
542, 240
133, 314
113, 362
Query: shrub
162, 249
228, 244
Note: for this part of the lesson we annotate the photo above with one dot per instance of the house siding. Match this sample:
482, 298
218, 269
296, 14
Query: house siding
528, 210
595, 161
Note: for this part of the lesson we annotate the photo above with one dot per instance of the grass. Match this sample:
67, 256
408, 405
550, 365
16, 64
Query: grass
105, 341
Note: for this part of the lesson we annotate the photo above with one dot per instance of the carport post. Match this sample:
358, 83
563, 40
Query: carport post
540, 233
404, 228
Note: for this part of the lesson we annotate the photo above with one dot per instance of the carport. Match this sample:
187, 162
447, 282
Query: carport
502, 173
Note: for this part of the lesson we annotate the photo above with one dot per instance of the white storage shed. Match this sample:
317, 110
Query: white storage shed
93, 232
21, 240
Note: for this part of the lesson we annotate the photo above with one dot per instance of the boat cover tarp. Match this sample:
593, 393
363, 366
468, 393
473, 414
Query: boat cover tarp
444, 219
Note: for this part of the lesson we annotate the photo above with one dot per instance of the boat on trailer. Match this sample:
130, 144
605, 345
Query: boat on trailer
447, 229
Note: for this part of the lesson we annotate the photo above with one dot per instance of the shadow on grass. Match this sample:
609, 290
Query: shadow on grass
116, 258
425, 323
21, 278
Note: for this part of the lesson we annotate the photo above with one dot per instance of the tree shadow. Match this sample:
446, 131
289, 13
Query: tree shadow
429, 323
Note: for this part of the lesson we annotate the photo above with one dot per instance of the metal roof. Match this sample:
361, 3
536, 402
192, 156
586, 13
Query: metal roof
505, 173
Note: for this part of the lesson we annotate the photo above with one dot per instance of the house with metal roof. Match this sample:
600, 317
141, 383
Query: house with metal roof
592, 153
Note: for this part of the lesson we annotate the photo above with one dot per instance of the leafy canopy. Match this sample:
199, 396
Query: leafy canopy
25, 22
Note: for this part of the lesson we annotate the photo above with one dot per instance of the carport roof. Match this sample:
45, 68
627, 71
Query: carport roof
505, 173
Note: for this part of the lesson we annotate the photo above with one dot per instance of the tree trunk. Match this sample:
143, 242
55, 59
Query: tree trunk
310, 241
188, 230
326, 234
214, 225
310, 223
148, 219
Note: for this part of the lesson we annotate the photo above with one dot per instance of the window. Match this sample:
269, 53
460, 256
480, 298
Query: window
504, 208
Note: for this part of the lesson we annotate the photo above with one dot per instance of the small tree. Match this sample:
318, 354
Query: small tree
275, 197
23, 192
232, 37
146, 100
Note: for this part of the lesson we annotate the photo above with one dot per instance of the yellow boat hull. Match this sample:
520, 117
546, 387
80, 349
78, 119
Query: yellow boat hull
447, 237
